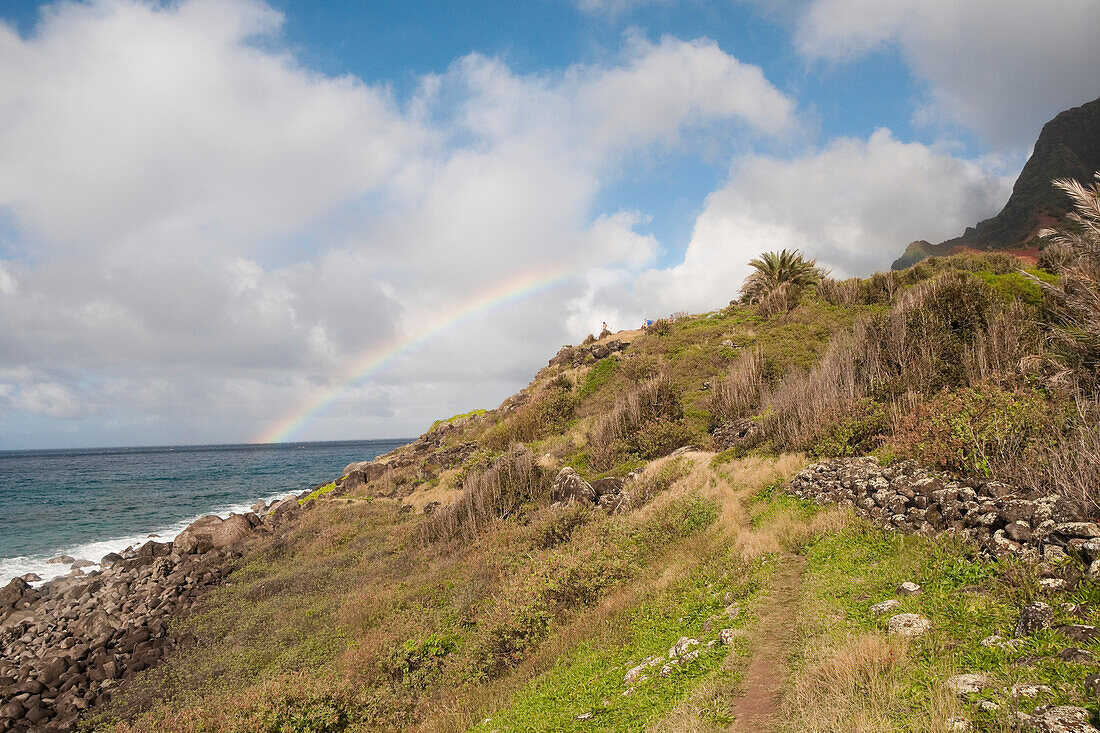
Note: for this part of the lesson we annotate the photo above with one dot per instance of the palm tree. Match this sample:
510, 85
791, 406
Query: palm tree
773, 269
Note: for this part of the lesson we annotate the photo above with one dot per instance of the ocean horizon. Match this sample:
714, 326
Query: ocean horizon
87, 502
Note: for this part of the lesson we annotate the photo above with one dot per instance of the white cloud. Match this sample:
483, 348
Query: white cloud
1000, 67
853, 204
615, 7
208, 232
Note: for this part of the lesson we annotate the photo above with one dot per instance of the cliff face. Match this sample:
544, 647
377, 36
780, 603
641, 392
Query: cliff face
1068, 147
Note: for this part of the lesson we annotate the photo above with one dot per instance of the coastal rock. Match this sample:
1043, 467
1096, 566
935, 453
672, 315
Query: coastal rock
282, 510
61, 560
1060, 719
1035, 616
198, 537
908, 624
231, 530
967, 684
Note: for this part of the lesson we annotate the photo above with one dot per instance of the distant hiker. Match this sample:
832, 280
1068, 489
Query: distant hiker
605, 332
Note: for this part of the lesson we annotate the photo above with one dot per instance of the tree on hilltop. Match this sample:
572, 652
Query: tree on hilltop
775, 269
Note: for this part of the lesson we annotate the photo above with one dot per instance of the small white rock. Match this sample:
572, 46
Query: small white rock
967, 684
908, 589
1028, 691
908, 624
880, 609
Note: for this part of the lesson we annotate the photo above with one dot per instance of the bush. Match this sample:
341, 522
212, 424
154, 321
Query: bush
655, 401
983, 430
738, 394
512, 481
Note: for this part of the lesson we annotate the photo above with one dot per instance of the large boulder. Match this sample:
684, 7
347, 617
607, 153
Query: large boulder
198, 537
606, 486
282, 510
569, 486
13, 592
231, 530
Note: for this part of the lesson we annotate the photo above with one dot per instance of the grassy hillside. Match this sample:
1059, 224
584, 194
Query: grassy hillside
444, 590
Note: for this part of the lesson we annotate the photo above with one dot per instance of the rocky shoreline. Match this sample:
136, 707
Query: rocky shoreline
68, 645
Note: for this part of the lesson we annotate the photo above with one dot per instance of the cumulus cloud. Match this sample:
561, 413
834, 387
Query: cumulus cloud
1000, 67
852, 204
206, 231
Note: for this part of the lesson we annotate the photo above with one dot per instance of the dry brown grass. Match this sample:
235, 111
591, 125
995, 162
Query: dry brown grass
858, 686
513, 480
652, 401
737, 395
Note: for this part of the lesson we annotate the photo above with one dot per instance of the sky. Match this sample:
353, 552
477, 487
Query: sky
236, 220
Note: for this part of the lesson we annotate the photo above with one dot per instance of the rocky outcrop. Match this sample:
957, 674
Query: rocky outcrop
571, 356
1068, 147
82, 635
607, 493
743, 433
569, 486
68, 645
1002, 519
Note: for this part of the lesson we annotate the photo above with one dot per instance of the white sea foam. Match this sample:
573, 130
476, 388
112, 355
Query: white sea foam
13, 567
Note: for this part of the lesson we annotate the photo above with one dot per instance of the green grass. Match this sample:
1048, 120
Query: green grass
453, 418
318, 492
590, 678
966, 598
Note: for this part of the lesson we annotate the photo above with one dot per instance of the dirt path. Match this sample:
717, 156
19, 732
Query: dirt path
756, 708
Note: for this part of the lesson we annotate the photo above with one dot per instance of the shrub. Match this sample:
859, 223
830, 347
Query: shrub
737, 395
654, 401
1076, 303
512, 481
784, 298
841, 292
983, 430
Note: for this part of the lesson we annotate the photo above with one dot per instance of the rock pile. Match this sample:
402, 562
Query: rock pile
577, 355
607, 493
1004, 520
67, 645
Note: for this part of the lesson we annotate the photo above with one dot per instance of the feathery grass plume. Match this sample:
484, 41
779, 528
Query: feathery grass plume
1075, 301
773, 269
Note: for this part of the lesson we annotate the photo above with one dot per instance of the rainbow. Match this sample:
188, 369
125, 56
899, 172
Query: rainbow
378, 358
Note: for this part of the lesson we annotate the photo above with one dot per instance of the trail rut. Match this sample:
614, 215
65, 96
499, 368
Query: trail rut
756, 707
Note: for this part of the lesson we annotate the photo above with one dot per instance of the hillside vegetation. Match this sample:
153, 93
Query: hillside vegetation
447, 587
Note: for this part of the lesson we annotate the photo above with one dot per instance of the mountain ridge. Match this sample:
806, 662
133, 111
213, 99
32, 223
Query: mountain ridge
1067, 147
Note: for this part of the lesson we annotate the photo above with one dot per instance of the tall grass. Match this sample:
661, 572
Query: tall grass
511, 481
653, 401
941, 333
737, 395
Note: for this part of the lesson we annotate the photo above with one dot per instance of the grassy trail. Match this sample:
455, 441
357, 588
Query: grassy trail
756, 707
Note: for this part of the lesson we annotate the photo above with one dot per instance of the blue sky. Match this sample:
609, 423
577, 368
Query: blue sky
209, 208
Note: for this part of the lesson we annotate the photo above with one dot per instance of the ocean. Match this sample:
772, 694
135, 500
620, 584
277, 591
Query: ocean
86, 503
